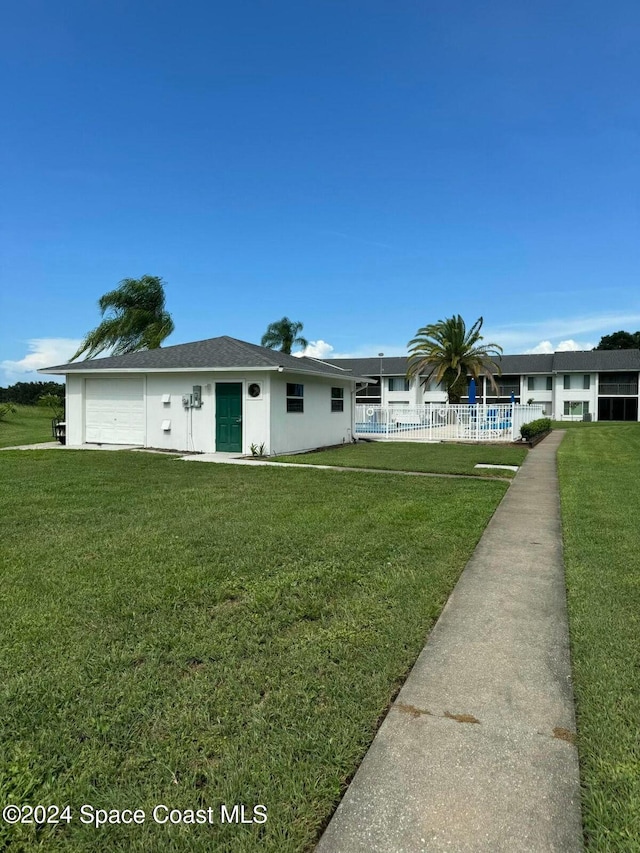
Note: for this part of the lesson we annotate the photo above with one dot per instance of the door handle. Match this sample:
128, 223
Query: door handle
238, 420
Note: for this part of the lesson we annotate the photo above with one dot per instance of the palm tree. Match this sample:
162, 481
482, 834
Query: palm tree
284, 335
446, 352
137, 320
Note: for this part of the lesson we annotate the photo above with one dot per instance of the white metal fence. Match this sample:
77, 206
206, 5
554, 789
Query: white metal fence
444, 422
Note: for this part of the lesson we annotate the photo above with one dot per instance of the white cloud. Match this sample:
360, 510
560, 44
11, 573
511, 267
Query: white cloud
542, 347
566, 346
555, 334
317, 349
562, 346
42, 352
321, 349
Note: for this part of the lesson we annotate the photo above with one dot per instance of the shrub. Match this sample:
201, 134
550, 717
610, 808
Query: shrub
7, 409
527, 431
53, 402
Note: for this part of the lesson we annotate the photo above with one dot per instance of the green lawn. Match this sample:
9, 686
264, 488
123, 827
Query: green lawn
599, 469
586, 424
29, 425
190, 635
445, 458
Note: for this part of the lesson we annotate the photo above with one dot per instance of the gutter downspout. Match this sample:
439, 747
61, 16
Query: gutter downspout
353, 406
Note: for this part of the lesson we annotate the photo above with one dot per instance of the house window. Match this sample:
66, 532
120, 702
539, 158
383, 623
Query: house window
567, 383
295, 394
337, 399
576, 407
397, 383
531, 384
586, 382
549, 383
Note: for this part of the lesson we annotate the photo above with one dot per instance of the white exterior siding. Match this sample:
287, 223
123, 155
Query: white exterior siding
399, 396
576, 394
74, 410
195, 429
317, 425
190, 428
416, 395
540, 394
265, 419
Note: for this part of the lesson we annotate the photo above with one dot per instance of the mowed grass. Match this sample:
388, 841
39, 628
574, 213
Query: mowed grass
581, 424
445, 458
29, 425
599, 472
193, 634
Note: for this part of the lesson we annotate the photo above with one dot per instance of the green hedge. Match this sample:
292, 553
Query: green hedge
527, 431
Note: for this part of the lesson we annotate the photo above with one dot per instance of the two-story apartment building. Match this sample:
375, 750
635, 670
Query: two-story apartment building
592, 385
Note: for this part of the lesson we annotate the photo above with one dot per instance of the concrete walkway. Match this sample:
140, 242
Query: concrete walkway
476, 753
233, 459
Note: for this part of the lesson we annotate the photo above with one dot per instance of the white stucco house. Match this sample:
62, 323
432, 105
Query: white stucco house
216, 395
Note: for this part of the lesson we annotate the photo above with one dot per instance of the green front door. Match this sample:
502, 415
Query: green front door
229, 416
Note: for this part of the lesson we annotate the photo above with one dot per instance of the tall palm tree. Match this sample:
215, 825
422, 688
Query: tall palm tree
284, 335
137, 319
446, 352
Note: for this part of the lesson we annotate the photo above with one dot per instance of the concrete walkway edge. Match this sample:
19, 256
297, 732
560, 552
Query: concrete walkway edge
477, 753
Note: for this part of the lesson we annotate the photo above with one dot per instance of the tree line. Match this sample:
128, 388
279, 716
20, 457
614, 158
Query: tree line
29, 393
620, 340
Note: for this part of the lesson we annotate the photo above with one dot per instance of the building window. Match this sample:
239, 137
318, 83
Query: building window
539, 383
397, 383
337, 399
432, 385
295, 394
576, 407
577, 381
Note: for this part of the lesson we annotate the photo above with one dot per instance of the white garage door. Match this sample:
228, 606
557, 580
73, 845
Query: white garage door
114, 411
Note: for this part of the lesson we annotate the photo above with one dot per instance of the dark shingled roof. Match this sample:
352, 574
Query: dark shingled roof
601, 360
559, 362
392, 366
222, 352
533, 363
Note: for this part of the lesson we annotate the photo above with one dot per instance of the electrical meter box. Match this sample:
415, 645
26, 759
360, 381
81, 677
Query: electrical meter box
197, 396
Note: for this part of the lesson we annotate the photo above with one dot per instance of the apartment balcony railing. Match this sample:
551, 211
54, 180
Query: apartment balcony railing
618, 388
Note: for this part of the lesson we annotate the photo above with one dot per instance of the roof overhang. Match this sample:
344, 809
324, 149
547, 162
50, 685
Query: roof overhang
102, 371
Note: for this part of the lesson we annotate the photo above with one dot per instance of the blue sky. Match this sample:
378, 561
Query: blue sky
364, 167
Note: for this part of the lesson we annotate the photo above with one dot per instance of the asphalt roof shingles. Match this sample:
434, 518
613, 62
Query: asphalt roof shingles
226, 352
586, 361
223, 352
